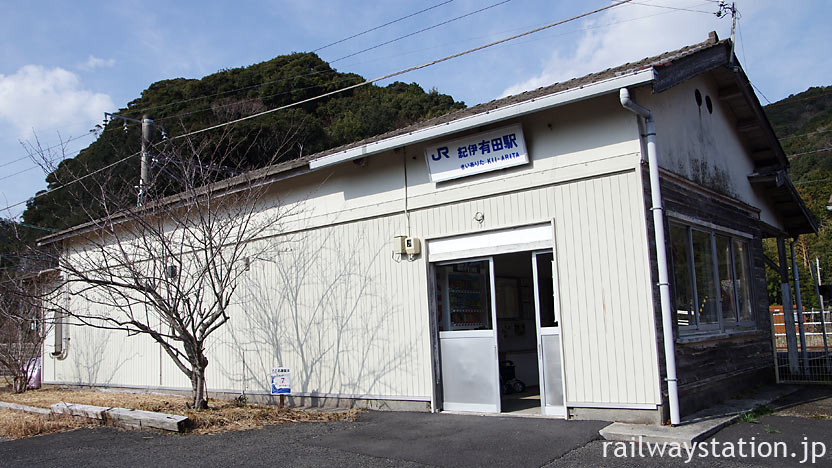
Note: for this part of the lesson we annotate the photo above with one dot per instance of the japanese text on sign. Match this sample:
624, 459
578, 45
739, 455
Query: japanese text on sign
475, 154
280, 381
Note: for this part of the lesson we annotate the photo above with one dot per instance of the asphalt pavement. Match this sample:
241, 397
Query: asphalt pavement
798, 432
376, 439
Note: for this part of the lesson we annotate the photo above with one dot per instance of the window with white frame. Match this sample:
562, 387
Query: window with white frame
712, 279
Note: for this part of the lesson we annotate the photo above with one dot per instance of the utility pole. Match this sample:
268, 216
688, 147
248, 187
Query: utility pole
724, 9
144, 179
147, 134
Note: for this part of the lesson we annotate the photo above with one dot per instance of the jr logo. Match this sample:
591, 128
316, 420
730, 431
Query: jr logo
442, 151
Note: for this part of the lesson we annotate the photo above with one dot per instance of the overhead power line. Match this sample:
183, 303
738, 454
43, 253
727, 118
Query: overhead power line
381, 26
85, 176
316, 72
791, 100
408, 70
674, 8
8, 163
805, 134
457, 18
364, 83
807, 153
398, 54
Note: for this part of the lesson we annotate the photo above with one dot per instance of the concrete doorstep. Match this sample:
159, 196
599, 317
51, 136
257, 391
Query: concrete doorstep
121, 417
698, 426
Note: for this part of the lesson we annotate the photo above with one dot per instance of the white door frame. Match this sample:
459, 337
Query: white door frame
548, 331
463, 334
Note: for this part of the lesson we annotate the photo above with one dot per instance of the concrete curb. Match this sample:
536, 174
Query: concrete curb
696, 427
121, 417
23, 408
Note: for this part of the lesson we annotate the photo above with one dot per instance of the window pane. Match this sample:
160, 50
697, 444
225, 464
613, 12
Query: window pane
463, 296
703, 257
726, 286
545, 287
743, 277
681, 275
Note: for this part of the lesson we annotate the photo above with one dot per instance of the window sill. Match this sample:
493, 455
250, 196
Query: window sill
717, 336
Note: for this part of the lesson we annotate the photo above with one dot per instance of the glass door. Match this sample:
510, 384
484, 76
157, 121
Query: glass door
466, 317
548, 335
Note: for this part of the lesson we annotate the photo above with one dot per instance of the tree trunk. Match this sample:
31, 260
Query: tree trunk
20, 383
199, 401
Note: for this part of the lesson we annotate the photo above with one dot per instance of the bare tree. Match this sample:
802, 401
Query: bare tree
23, 323
321, 308
169, 269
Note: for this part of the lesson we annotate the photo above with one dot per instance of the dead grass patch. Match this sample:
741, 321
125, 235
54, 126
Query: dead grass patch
17, 425
221, 417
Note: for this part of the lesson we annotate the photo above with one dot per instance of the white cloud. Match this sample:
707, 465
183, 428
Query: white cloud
41, 99
94, 62
626, 34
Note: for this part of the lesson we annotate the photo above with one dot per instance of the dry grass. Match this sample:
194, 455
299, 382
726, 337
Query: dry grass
17, 425
221, 417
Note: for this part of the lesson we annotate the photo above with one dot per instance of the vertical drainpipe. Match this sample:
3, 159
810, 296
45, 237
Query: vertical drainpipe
661, 252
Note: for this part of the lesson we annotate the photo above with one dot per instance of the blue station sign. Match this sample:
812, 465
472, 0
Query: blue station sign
475, 154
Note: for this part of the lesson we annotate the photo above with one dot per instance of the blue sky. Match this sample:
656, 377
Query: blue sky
63, 64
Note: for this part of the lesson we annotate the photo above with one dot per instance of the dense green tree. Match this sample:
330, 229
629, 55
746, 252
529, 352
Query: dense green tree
803, 123
181, 105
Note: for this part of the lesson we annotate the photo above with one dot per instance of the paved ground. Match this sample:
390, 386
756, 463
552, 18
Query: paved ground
387, 439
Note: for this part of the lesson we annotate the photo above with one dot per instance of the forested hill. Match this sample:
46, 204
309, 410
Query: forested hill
803, 123
181, 105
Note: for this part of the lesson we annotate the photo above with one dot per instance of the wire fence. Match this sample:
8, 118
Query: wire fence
803, 357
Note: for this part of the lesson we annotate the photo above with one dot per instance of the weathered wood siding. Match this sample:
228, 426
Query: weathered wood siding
716, 362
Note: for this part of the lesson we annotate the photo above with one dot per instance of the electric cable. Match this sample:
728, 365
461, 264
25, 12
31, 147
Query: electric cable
807, 153
145, 109
381, 26
673, 8
407, 70
254, 99
8, 163
364, 83
493, 5
805, 134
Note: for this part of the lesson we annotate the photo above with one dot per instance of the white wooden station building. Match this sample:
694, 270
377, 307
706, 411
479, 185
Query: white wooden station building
516, 239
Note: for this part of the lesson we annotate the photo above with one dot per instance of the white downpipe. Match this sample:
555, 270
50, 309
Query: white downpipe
661, 252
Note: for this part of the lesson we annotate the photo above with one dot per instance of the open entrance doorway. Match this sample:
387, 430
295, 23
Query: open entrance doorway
516, 337
499, 338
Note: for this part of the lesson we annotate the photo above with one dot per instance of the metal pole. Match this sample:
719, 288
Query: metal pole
822, 321
804, 353
144, 180
788, 307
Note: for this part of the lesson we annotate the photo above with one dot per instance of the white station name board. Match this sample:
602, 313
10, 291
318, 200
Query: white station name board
475, 154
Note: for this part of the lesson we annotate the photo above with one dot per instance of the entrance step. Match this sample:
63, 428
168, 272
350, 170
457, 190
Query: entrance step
698, 426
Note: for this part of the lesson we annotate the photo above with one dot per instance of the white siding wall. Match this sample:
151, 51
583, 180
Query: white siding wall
359, 322
605, 295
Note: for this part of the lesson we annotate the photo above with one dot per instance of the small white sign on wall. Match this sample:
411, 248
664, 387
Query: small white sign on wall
474, 154
280, 381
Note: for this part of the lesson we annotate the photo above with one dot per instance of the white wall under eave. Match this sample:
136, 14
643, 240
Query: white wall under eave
351, 320
701, 146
